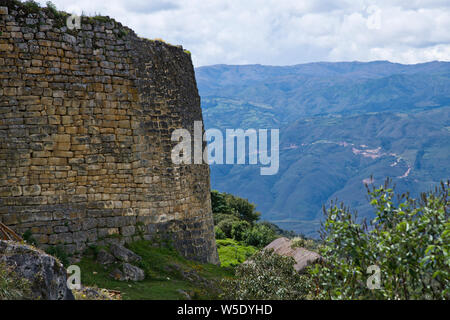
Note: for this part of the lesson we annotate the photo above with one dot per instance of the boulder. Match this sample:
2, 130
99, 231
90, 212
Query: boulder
302, 257
123, 254
132, 273
128, 273
104, 257
47, 276
185, 295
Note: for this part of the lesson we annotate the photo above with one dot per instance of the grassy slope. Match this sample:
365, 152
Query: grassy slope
162, 281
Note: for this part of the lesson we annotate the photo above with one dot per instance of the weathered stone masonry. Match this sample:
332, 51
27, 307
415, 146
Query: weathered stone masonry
86, 118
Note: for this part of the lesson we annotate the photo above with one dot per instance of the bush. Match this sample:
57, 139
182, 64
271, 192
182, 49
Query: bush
32, 6
12, 286
28, 238
59, 253
219, 233
218, 217
238, 230
268, 276
225, 203
244, 209
409, 241
259, 236
226, 226
301, 242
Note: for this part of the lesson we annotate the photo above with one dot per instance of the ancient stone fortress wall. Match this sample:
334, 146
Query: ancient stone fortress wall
86, 118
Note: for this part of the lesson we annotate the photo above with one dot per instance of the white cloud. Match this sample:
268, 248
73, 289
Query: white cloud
283, 32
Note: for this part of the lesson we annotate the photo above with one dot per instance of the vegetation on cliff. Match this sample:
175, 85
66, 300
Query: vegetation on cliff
12, 286
326, 114
239, 233
403, 253
408, 242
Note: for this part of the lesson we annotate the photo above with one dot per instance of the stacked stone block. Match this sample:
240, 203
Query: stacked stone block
86, 118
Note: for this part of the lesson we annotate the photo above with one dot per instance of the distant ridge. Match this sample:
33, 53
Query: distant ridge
326, 112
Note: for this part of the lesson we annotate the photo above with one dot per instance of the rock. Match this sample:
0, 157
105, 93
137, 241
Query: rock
94, 293
47, 275
132, 273
123, 254
303, 257
184, 294
104, 257
128, 273
117, 275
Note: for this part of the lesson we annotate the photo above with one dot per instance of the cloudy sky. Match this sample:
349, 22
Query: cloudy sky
286, 32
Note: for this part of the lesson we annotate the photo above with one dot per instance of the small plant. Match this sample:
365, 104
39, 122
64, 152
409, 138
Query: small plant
51, 7
28, 238
94, 249
12, 286
31, 6
59, 253
122, 33
101, 18
300, 242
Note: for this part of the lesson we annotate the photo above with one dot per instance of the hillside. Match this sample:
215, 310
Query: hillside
340, 123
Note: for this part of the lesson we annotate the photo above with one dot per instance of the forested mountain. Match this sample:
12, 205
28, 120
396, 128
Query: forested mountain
340, 124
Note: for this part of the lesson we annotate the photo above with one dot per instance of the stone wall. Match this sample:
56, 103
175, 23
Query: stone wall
86, 118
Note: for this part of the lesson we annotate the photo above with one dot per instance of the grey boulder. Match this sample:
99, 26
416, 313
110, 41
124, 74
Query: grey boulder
47, 276
104, 257
124, 254
128, 273
302, 256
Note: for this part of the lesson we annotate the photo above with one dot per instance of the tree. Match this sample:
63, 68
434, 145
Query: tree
238, 230
245, 209
408, 242
219, 233
227, 204
267, 276
226, 226
259, 236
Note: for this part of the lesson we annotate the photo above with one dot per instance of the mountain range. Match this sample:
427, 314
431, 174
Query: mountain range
342, 125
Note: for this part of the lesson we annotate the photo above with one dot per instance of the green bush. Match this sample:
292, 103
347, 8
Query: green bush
225, 203
301, 242
268, 276
218, 217
59, 253
28, 238
226, 226
409, 241
32, 6
238, 230
259, 236
219, 233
